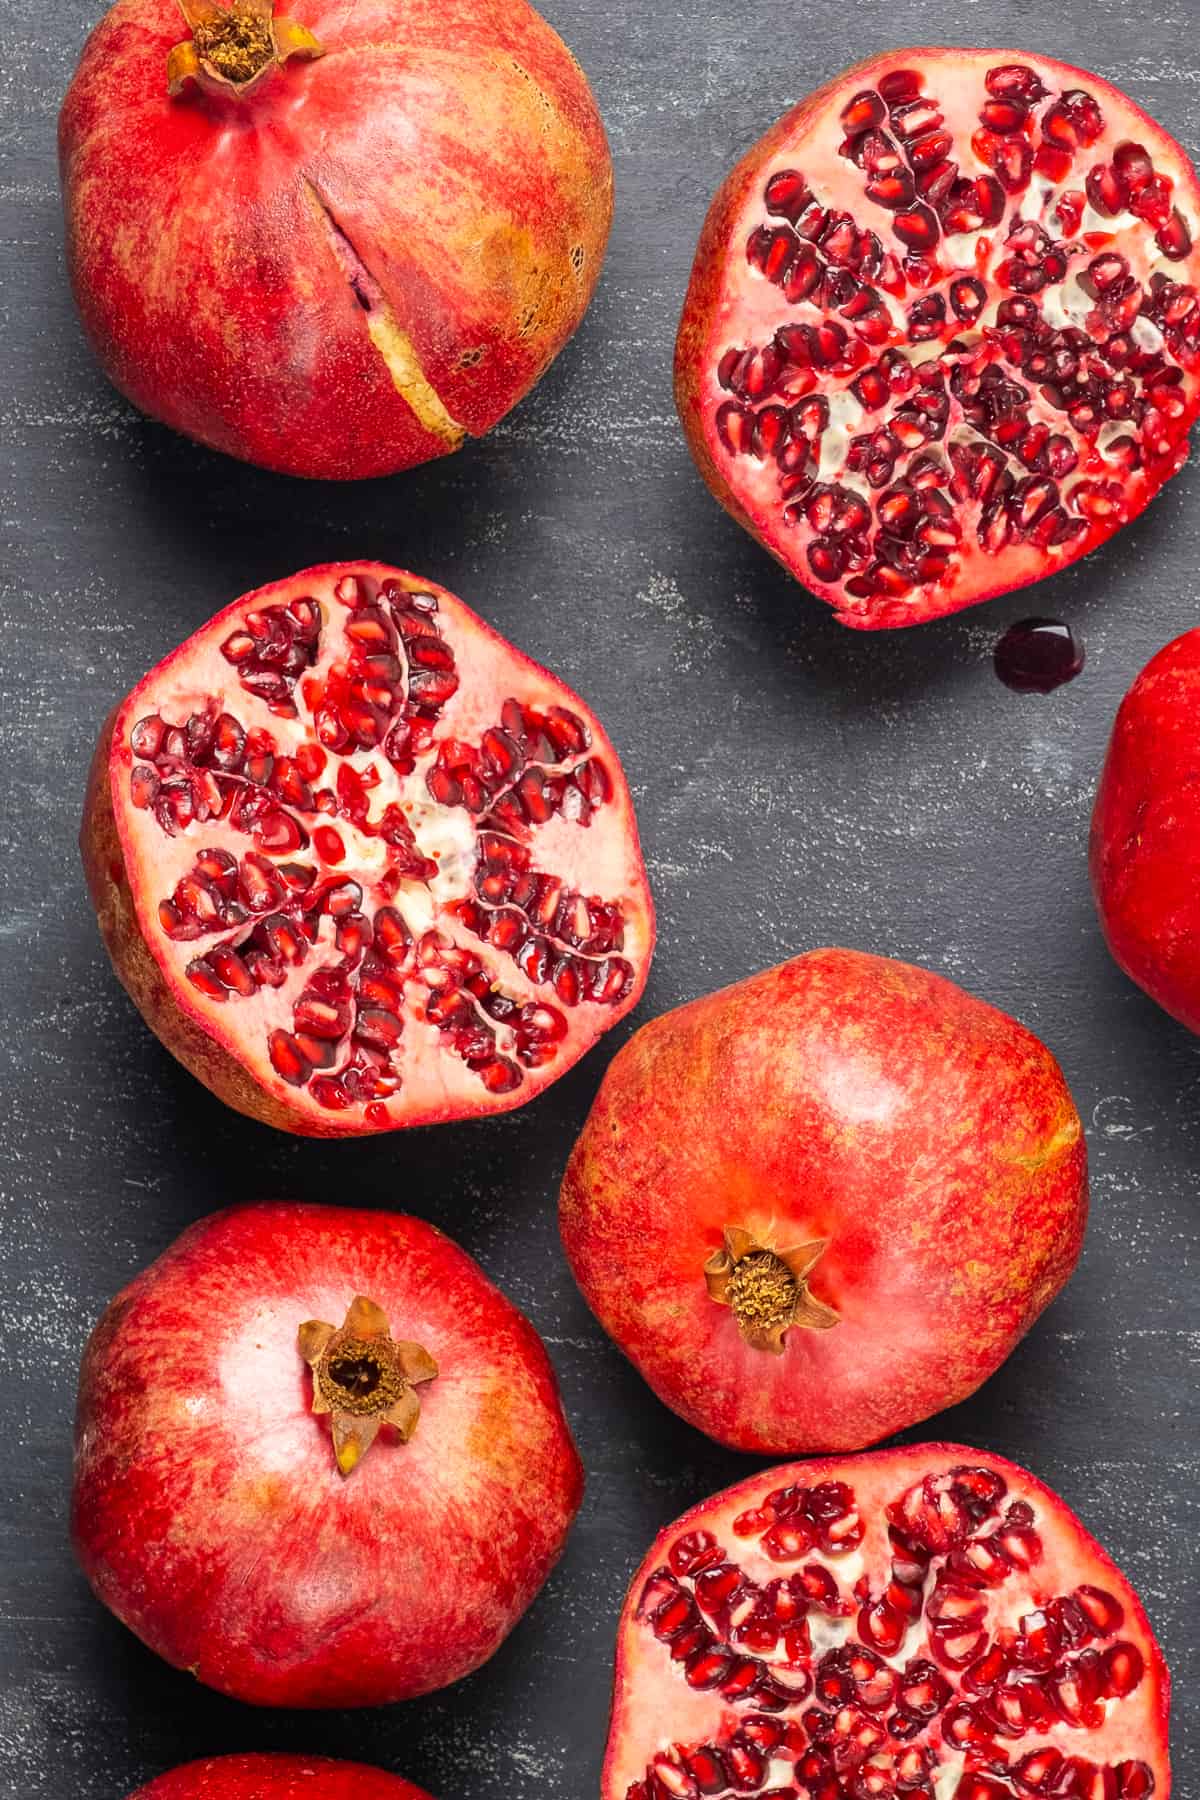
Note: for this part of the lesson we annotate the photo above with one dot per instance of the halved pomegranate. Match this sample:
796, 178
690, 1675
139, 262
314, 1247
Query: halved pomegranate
943, 331
929, 1623
277, 1776
360, 863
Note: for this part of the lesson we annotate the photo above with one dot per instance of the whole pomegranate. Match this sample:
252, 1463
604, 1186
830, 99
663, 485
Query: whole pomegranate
360, 863
335, 244
320, 1460
278, 1777
825, 1203
924, 1622
943, 331
1145, 850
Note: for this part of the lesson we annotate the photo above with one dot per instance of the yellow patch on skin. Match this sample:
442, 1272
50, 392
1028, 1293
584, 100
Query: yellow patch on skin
398, 352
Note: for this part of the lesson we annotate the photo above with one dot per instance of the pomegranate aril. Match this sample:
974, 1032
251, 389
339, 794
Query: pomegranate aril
1123, 1668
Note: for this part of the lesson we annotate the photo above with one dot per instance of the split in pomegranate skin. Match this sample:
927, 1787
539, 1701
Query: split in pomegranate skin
334, 247
821, 1205
333, 1523
360, 863
930, 1622
1145, 841
942, 336
278, 1777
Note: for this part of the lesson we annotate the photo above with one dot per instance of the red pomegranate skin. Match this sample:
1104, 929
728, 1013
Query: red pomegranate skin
208, 1512
1145, 845
278, 1777
449, 149
929, 1138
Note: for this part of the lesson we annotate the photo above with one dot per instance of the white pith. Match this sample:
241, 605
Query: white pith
600, 860
656, 1713
750, 308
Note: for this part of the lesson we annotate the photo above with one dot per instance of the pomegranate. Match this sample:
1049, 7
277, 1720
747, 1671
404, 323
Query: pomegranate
360, 863
1145, 850
923, 1622
336, 244
278, 1777
825, 1203
320, 1460
943, 331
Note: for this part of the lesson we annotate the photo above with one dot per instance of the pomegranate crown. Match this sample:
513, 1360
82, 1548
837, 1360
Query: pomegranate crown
234, 47
363, 1378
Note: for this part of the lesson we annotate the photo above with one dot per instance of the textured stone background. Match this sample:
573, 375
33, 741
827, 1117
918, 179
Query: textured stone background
797, 785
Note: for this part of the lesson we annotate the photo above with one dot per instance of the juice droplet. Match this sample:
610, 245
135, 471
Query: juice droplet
1035, 656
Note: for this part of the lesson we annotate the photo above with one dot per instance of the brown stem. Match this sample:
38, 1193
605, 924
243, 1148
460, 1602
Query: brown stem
363, 1378
767, 1289
233, 47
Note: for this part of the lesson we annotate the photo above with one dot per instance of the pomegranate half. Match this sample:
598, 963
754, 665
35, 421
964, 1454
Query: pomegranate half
334, 244
943, 331
360, 863
276, 1776
930, 1622
825, 1203
320, 1460
1145, 849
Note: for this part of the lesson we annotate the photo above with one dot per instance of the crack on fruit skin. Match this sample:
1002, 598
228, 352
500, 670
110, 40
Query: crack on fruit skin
393, 343
264, 918
1048, 494
766, 1289
363, 1378
877, 1714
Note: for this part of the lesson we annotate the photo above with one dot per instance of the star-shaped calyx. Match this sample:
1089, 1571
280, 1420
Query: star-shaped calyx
234, 46
767, 1289
365, 1378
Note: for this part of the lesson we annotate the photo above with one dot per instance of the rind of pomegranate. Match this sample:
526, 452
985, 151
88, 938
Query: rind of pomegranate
213, 1511
277, 1776
345, 261
928, 1622
942, 336
363, 865
1145, 840
819, 1206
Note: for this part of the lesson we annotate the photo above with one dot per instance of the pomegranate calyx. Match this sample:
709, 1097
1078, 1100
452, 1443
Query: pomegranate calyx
364, 1378
233, 47
767, 1289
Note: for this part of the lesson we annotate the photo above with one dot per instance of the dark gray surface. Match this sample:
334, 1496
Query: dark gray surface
797, 785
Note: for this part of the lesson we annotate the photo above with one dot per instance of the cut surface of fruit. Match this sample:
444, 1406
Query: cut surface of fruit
827, 1202
334, 246
320, 1460
360, 863
929, 1622
277, 1776
942, 336
1145, 845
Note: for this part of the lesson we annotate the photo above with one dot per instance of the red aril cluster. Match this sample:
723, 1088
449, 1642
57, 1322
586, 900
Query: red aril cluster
929, 1623
361, 863
943, 332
